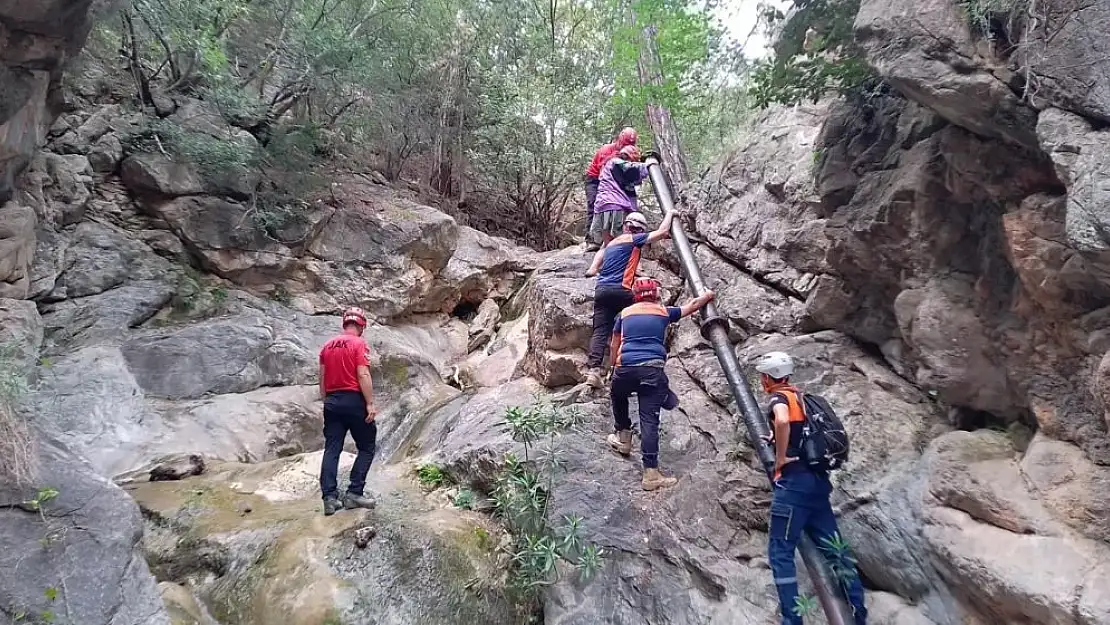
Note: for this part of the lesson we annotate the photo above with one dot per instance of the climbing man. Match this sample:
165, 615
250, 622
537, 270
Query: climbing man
639, 354
627, 136
615, 267
800, 497
348, 395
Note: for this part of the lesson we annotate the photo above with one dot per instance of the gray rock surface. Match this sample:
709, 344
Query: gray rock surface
78, 557
925, 49
17, 249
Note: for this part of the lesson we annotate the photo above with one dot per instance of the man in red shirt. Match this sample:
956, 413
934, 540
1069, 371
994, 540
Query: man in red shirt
348, 395
593, 172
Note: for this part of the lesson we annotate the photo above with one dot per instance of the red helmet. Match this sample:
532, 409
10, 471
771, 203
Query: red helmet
645, 289
354, 315
630, 152
627, 136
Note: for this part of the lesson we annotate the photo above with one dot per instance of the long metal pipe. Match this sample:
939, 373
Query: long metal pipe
715, 330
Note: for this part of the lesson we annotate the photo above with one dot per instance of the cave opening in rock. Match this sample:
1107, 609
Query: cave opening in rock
465, 311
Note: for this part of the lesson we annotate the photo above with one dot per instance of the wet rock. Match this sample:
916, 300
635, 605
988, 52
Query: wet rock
178, 468
420, 569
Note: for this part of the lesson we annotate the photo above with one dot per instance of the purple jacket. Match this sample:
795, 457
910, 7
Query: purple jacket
616, 188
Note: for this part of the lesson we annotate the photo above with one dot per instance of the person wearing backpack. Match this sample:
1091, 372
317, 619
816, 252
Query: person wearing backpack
809, 441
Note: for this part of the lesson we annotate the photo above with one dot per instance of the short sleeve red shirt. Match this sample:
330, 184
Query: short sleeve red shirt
341, 357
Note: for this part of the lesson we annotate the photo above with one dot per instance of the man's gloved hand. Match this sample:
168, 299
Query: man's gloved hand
653, 154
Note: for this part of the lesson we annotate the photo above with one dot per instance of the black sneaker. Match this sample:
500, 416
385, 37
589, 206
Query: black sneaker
331, 506
352, 501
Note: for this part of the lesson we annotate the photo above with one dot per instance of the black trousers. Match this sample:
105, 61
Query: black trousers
345, 411
591, 197
609, 301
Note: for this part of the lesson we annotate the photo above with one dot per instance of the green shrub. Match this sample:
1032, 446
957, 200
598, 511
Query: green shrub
522, 499
431, 476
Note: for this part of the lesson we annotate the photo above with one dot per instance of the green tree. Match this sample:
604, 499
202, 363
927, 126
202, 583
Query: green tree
815, 54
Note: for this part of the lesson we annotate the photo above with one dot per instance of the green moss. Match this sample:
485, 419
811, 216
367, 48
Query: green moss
395, 371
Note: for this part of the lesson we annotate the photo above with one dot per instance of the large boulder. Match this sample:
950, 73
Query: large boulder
71, 552
99, 257
226, 237
156, 174
925, 49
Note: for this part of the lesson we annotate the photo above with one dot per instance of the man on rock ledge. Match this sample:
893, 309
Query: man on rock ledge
348, 394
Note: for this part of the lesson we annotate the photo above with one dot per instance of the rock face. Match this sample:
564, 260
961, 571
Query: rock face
72, 555
934, 257
38, 40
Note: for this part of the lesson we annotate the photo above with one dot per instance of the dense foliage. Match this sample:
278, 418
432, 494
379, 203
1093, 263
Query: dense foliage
814, 54
496, 105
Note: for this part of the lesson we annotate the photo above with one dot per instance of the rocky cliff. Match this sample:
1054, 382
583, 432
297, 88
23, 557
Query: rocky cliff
932, 255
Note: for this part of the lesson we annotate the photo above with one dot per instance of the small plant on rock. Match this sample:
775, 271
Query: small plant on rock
522, 499
465, 499
431, 475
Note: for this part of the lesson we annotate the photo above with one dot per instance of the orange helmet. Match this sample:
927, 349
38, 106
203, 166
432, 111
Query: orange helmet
645, 289
627, 136
354, 315
630, 152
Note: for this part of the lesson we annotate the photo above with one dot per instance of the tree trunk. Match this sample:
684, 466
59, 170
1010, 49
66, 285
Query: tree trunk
667, 142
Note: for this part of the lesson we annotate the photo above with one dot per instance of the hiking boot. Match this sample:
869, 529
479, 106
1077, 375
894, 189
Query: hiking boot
331, 506
352, 501
653, 479
621, 442
595, 378
592, 247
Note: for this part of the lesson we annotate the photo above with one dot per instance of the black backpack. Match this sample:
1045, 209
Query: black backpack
824, 439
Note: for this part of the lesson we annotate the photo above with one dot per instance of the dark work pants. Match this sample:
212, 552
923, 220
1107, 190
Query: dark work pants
800, 503
652, 393
345, 411
591, 197
608, 302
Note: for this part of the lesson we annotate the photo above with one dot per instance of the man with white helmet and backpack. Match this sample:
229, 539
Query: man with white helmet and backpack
809, 441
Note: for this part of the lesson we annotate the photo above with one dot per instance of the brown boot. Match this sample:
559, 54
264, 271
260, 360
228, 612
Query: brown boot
621, 442
595, 377
653, 479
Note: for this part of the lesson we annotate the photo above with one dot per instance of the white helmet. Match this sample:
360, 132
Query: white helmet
778, 365
636, 219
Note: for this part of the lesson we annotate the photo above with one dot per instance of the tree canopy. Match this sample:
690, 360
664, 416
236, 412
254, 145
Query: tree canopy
497, 105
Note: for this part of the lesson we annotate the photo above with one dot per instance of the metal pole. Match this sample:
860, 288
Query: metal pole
715, 330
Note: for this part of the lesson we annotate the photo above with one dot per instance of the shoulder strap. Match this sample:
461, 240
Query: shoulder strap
794, 404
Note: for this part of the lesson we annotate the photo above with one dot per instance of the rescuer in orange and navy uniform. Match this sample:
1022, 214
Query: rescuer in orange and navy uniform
348, 395
639, 355
615, 266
